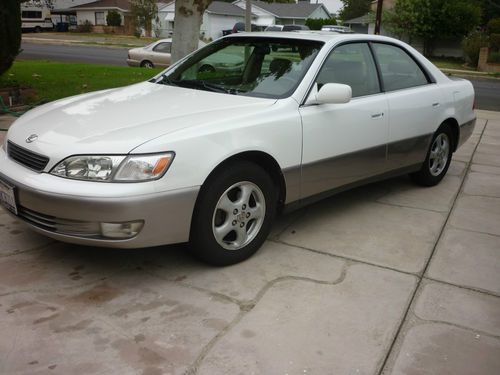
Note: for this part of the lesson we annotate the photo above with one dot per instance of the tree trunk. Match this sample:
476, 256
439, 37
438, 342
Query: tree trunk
188, 19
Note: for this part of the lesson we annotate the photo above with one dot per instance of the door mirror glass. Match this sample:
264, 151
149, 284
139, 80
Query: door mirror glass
334, 93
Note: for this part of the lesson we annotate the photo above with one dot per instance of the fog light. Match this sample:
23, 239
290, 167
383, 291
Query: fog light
121, 230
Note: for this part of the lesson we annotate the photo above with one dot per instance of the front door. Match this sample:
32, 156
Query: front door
345, 143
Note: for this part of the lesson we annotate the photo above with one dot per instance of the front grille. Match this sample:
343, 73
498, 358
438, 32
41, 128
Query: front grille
26, 157
59, 225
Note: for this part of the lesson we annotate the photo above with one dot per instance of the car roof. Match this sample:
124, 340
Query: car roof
317, 35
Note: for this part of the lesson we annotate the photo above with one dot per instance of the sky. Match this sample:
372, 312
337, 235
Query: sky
332, 5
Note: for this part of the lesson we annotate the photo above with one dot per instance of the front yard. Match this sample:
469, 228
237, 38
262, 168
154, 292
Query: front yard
53, 80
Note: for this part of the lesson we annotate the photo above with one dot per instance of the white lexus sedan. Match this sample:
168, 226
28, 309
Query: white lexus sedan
210, 156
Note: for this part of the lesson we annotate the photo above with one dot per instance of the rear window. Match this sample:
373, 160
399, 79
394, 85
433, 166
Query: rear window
399, 70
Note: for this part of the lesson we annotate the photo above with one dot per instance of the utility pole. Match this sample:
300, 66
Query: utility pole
248, 15
378, 18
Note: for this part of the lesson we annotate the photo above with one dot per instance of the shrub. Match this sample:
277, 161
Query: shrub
493, 26
113, 18
10, 33
317, 23
85, 27
495, 41
471, 45
494, 57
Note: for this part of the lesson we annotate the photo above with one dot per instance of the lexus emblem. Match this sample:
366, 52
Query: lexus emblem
31, 138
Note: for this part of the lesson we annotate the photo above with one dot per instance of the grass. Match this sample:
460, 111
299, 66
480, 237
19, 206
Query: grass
54, 80
450, 63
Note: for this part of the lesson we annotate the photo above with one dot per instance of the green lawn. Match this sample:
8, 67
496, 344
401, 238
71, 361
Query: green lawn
54, 80
450, 63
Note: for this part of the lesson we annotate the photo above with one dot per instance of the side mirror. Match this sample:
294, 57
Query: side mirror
334, 93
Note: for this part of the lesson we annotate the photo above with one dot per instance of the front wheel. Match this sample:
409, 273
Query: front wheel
233, 214
438, 158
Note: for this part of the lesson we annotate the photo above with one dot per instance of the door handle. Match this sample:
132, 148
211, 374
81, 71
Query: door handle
378, 115
435, 105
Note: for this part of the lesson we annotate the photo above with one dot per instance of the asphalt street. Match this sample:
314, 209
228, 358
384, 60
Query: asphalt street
74, 53
487, 90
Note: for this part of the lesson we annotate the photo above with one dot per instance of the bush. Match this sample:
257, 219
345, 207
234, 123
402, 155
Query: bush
472, 43
495, 41
85, 27
494, 57
113, 18
493, 26
317, 23
10, 33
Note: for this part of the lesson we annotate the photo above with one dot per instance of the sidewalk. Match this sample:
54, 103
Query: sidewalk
388, 278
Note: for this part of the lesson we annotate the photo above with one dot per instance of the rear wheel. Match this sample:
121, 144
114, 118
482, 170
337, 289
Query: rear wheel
438, 158
147, 64
38, 29
234, 214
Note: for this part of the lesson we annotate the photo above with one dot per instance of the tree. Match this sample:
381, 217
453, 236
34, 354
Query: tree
10, 33
10, 29
354, 8
317, 23
188, 19
144, 13
113, 18
432, 19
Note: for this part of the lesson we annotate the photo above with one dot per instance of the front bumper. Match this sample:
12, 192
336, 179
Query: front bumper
73, 209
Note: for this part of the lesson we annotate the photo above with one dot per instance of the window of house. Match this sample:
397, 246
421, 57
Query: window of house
351, 64
99, 18
399, 70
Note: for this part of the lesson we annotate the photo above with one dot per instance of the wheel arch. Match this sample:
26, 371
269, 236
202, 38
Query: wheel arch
263, 160
143, 62
455, 128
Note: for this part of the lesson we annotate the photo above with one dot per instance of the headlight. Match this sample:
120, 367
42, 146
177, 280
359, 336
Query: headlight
107, 168
144, 167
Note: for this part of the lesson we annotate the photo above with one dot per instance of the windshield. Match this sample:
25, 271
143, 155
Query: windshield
253, 66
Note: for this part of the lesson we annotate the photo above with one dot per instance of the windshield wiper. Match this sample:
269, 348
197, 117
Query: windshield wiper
165, 80
197, 83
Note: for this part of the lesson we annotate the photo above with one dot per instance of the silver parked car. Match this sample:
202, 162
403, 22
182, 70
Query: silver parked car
156, 54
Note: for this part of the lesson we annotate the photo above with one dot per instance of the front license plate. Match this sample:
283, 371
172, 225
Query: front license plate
8, 197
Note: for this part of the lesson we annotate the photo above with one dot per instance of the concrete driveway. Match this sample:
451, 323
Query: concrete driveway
386, 279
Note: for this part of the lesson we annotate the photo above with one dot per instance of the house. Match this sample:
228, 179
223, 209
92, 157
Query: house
96, 12
221, 16
284, 13
360, 24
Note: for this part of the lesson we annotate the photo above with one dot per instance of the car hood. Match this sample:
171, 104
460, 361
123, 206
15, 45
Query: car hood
119, 120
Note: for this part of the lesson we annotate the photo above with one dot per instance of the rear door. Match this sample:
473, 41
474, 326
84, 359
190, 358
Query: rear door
161, 54
414, 105
344, 143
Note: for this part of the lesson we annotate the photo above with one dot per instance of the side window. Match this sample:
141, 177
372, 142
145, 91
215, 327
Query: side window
163, 47
399, 70
351, 64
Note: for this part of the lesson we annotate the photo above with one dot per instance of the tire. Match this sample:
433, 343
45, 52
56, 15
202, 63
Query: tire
38, 29
147, 64
228, 226
438, 158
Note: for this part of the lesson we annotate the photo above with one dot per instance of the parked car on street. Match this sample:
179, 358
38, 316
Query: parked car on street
211, 156
294, 27
337, 29
239, 27
274, 28
156, 54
